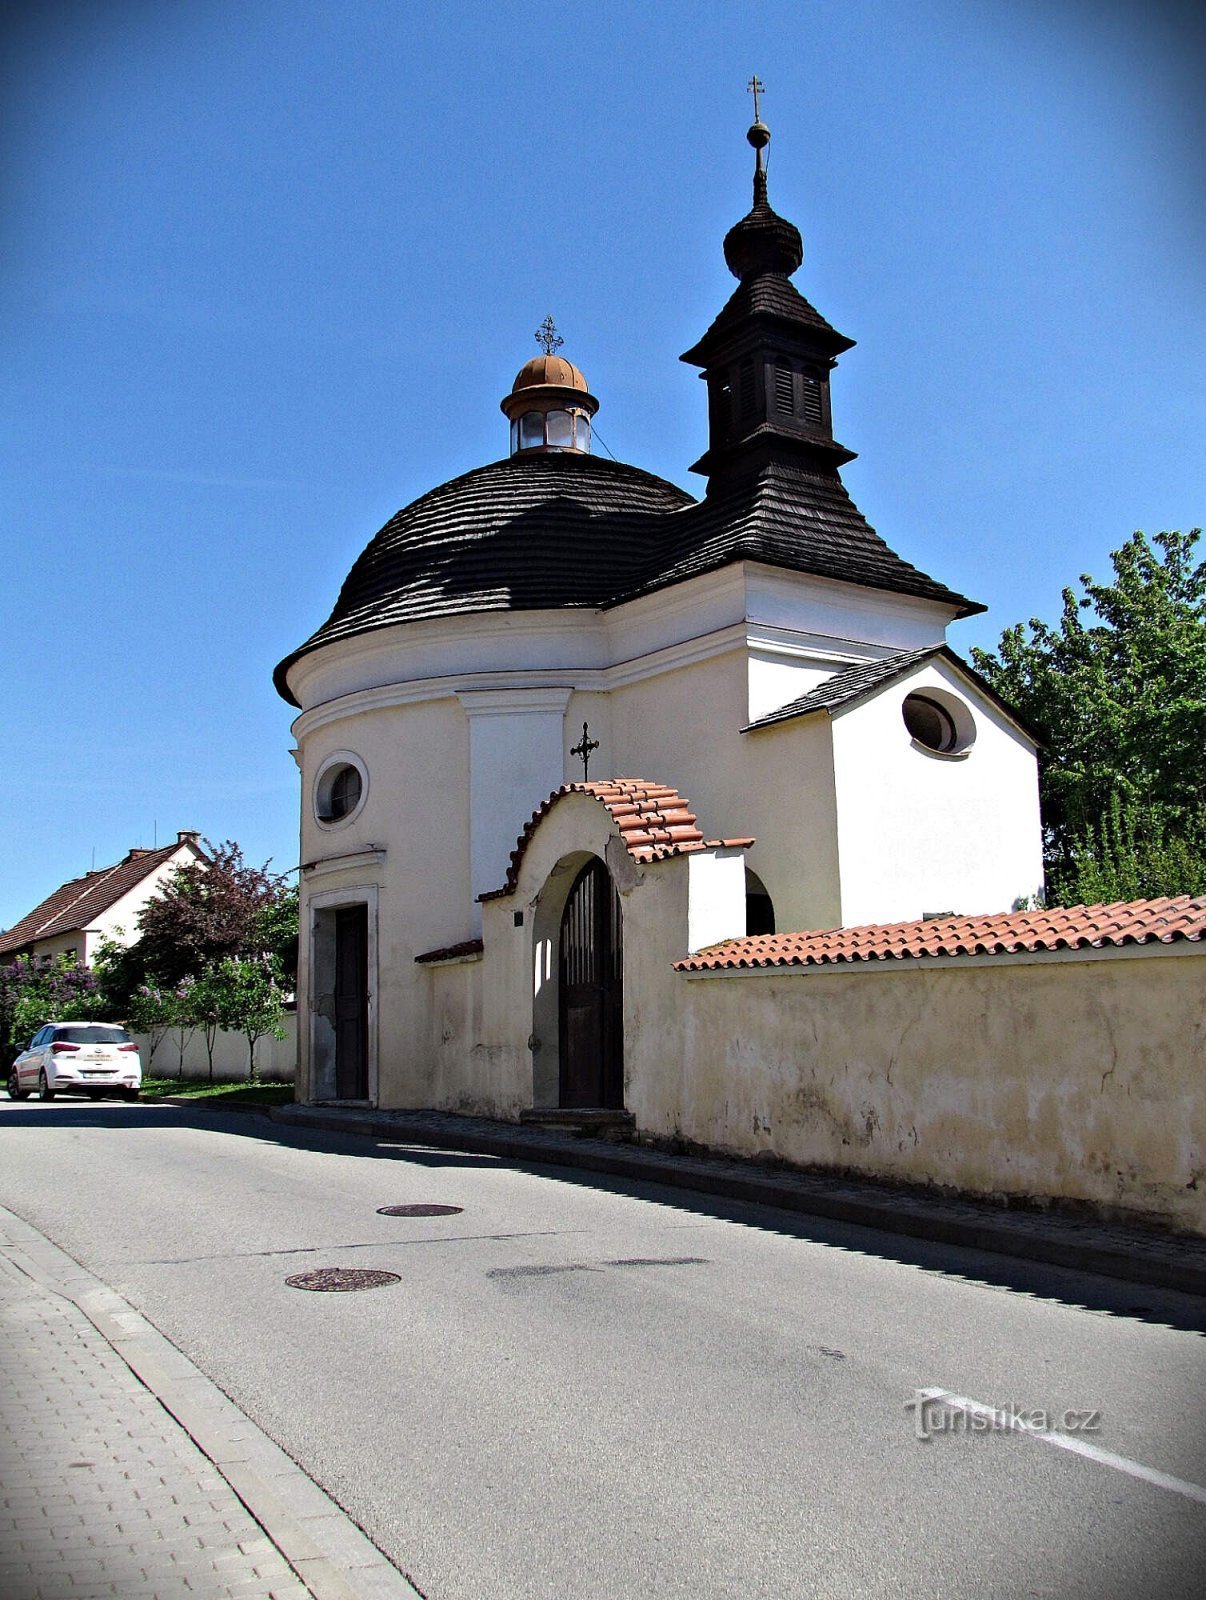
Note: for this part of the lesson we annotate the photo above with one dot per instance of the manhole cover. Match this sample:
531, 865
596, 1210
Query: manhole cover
418, 1211
339, 1280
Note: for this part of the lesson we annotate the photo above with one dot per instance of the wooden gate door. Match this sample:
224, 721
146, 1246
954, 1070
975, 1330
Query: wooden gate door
351, 1003
591, 980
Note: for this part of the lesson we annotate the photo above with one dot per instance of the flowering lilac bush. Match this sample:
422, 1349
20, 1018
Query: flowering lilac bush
33, 992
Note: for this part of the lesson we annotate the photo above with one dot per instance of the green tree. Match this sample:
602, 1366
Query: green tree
205, 1006
152, 1011
179, 1001
251, 1000
276, 934
1117, 691
119, 972
208, 909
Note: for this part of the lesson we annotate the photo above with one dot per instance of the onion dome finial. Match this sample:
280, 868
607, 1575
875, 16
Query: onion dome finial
762, 241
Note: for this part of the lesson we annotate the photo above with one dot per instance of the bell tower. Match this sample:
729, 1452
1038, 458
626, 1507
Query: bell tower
767, 357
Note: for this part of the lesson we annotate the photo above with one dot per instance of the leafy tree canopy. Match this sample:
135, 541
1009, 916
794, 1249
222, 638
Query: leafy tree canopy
1117, 691
207, 910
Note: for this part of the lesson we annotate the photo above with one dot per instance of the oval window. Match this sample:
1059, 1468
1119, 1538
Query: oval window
339, 792
936, 725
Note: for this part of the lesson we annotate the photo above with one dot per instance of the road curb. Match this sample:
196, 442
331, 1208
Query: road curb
211, 1103
333, 1557
1033, 1237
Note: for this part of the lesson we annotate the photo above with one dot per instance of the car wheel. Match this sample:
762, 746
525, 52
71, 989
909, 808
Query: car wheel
15, 1091
45, 1092
130, 1094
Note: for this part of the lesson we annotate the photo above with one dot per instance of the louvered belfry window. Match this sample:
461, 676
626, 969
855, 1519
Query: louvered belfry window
746, 381
722, 412
785, 400
812, 397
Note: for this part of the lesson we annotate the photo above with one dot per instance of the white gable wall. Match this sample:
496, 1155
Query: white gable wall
921, 833
801, 630
120, 922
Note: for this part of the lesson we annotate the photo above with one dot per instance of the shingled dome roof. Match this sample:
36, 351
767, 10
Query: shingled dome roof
533, 532
540, 532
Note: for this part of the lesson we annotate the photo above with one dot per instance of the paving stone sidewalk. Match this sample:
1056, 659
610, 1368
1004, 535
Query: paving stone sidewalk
126, 1472
101, 1491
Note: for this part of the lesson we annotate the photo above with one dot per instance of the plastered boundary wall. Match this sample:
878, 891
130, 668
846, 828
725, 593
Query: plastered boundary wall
275, 1059
1068, 1075
1074, 1075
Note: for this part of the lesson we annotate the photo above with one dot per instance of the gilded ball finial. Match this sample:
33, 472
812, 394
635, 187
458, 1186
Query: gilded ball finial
759, 135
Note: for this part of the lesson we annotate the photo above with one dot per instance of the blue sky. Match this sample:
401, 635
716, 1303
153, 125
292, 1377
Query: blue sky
268, 268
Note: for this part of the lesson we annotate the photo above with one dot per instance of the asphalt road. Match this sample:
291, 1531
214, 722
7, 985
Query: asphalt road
583, 1388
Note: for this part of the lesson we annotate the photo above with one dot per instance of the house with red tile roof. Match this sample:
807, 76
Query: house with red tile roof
102, 904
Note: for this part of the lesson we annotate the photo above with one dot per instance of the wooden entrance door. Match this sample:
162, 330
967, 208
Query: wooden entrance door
591, 993
351, 1003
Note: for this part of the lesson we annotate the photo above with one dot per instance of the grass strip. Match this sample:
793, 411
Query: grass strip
262, 1094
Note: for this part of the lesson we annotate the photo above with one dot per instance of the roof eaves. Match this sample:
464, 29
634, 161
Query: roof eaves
915, 659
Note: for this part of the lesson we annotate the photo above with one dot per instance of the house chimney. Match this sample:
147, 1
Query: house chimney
187, 836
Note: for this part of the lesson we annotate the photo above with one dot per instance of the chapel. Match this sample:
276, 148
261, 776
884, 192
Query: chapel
568, 724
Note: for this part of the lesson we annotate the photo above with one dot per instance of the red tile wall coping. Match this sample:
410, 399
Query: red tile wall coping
468, 947
653, 820
1007, 932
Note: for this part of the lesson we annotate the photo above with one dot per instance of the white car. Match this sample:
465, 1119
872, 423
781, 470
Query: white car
92, 1058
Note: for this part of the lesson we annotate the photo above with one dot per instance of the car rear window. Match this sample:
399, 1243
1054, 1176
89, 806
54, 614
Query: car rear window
91, 1034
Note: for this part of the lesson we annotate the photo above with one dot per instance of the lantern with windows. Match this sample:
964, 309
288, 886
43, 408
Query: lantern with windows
549, 407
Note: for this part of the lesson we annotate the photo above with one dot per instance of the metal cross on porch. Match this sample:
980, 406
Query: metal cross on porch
585, 749
755, 87
548, 337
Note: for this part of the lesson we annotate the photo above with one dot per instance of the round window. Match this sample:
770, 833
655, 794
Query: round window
339, 791
936, 725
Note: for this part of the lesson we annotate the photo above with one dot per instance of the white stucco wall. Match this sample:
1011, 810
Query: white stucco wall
408, 849
517, 757
275, 1059
921, 833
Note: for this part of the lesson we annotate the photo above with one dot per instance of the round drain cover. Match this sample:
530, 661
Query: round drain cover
418, 1211
339, 1280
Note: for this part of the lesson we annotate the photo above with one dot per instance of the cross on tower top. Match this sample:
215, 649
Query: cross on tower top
755, 87
548, 337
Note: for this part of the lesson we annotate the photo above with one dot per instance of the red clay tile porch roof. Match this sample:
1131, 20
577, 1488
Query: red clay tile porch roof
1057, 928
654, 822
80, 901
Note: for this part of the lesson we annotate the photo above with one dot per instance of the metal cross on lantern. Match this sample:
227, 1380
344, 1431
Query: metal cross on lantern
548, 337
755, 87
585, 749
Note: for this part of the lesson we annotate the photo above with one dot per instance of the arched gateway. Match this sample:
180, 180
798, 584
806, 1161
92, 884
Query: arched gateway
590, 980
